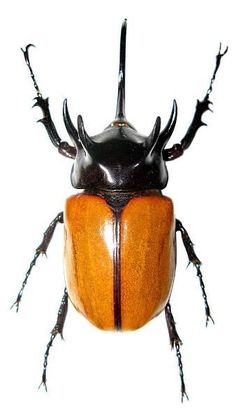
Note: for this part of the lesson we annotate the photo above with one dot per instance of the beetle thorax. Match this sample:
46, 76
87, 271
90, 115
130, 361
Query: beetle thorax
118, 159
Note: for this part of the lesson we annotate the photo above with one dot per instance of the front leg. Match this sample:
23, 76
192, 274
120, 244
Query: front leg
202, 106
63, 147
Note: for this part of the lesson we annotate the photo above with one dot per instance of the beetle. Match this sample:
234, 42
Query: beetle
120, 230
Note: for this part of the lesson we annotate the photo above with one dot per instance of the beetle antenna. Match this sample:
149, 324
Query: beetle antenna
120, 106
218, 60
27, 60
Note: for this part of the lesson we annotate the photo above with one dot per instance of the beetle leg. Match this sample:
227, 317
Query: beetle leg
41, 249
197, 263
176, 342
57, 329
63, 147
202, 106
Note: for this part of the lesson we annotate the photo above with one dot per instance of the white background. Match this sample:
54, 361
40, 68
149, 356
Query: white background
171, 47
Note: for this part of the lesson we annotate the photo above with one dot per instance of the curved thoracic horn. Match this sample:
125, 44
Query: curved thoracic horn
70, 126
86, 142
154, 136
168, 130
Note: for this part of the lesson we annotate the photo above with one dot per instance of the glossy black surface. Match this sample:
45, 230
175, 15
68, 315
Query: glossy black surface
120, 158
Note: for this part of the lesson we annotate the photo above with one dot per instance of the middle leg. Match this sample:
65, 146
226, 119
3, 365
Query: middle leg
40, 250
197, 263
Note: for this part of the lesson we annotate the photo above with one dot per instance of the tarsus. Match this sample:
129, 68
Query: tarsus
27, 60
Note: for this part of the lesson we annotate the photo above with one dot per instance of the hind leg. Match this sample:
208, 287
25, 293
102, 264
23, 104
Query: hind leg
57, 329
175, 342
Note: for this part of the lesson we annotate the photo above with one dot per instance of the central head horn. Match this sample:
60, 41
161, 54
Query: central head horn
120, 106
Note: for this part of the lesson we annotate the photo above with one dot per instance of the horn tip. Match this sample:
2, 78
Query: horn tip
65, 106
80, 123
80, 119
157, 125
